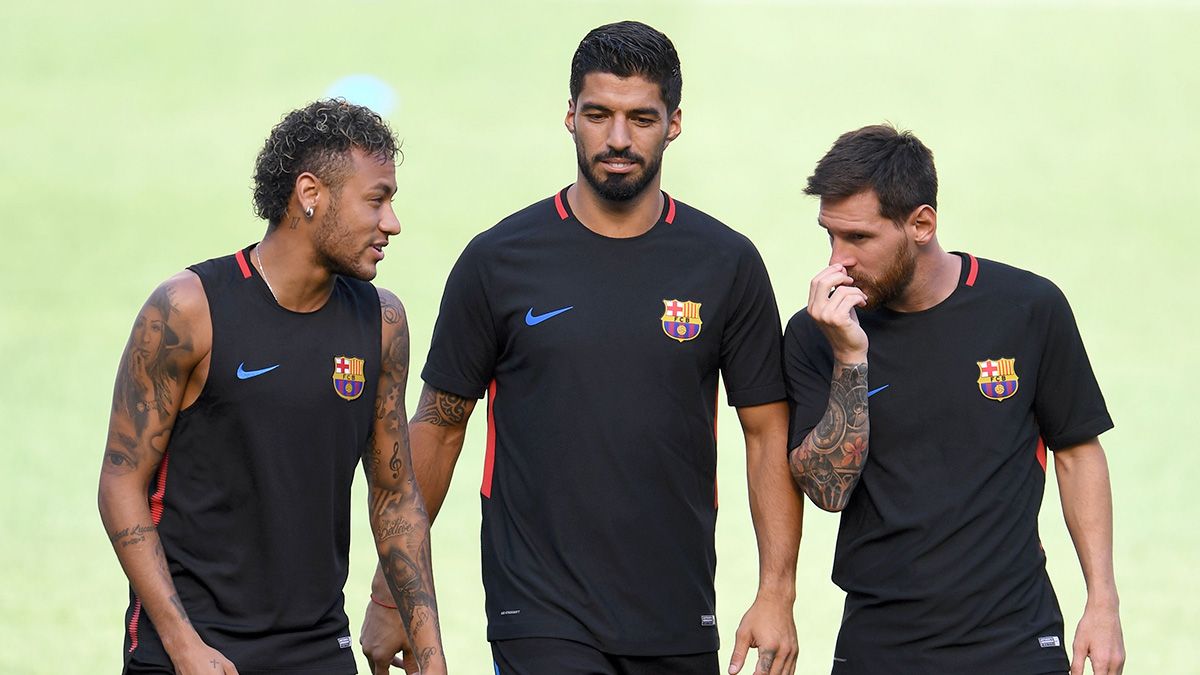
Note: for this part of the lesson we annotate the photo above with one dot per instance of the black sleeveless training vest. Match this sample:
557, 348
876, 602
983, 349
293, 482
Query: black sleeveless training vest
252, 499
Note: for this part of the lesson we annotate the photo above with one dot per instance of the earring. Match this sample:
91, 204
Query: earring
308, 213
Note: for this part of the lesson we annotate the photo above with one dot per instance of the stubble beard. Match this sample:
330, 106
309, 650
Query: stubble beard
336, 250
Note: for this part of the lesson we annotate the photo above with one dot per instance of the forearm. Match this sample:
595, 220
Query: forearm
776, 509
829, 461
401, 529
127, 520
435, 451
1083, 484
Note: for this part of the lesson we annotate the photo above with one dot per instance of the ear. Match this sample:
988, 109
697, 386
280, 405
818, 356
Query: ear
569, 122
308, 191
923, 222
674, 125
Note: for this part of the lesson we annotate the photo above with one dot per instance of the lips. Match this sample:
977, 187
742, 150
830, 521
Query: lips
377, 247
618, 165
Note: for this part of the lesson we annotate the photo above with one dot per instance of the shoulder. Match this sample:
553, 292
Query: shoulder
180, 304
1016, 286
516, 226
394, 340
391, 309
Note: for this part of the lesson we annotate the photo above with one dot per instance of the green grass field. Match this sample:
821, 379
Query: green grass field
1065, 132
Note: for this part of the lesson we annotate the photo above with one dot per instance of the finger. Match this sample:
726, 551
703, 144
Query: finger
1078, 655
229, 668
766, 662
379, 667
741, 645
824, 280
824, 284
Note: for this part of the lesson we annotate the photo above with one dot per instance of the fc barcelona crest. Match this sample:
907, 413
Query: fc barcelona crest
681, 319
998, 378
348, 379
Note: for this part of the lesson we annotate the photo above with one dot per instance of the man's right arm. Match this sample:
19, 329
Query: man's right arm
829, 461
436, 434
170, 337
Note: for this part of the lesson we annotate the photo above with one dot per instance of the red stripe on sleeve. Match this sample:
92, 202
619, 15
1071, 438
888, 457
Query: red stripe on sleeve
1041, 453
562, 210
489, 456
670, 209
974, 270
241, 259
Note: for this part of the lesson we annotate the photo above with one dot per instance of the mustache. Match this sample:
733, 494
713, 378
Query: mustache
626, 154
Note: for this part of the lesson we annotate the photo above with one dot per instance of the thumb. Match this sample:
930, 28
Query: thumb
741, 645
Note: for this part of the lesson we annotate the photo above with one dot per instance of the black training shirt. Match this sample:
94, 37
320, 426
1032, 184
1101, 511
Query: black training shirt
938, 549
602, 356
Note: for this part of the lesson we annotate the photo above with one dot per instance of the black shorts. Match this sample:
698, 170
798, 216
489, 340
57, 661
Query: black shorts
538, 656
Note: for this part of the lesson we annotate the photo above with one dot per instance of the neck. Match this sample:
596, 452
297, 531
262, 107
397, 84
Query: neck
292, 273
619, 220
934, 279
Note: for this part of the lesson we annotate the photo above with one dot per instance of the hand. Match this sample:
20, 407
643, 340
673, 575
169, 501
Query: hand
200, 659
769, 627
831, 303
1098, 638
382, 638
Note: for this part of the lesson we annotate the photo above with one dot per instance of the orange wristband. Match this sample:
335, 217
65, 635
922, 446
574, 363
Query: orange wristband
381, 604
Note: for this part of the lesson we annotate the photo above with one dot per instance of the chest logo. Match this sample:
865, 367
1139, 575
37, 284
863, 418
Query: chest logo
998, 378
348, 379
681, 319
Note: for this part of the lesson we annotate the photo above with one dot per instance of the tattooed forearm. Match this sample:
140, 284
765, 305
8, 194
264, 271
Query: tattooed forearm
130, 535
411, 581
829, 461
393, 528
178, 605
440, 408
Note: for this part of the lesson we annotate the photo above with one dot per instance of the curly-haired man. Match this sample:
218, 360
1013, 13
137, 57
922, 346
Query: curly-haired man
250, 388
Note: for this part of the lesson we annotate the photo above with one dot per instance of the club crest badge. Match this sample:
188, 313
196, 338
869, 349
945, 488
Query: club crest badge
348, 379
681, 319
998, 378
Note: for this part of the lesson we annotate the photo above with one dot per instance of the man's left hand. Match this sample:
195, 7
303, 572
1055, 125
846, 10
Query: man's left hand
768, 626
1098, 638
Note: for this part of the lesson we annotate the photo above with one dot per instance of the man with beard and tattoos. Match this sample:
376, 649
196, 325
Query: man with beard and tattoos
937, 461
597, 321
251, 387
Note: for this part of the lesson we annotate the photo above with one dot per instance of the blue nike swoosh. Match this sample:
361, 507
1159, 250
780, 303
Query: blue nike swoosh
244, 374
876, 391
531, 320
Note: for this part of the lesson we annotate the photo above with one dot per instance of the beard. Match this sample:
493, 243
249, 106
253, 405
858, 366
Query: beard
336, 249
893, 282
618, 187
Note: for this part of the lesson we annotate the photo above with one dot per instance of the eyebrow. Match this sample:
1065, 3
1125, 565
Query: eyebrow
387, 188
596, 107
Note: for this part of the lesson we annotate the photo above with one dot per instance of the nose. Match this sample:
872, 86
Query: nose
390, 223
841, 255
618, 134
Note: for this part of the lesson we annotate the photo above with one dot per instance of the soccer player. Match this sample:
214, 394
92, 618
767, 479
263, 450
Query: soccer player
251, 387
937, 460
597, 321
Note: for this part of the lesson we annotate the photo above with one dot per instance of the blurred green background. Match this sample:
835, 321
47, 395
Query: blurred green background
1065, 134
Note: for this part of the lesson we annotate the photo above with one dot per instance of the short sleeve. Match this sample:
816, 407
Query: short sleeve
464, 348
1068, 404
808, 370
750, 344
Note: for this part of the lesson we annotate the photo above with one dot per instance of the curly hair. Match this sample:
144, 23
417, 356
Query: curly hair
316, 138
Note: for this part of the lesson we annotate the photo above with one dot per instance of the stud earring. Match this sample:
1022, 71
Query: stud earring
308, 213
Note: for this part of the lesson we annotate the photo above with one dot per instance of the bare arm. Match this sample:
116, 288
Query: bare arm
171, 336
777, 510
397, 511
1083, 485
438, 428
829, 461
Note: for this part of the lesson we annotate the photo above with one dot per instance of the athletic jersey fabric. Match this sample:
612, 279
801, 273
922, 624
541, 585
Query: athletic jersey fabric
938, 549
252, 500
601, 356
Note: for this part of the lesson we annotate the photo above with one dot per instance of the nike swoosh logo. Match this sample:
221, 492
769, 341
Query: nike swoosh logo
533, 320
876, 391
244, 374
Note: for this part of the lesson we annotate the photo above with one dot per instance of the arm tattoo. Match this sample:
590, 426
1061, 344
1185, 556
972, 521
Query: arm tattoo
130, 535
440, 408
829, 462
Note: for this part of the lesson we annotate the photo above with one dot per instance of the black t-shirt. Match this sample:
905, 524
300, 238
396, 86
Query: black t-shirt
601, 357
252, 499
938, 549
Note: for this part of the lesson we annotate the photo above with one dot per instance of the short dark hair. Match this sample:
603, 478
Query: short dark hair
626, 49
316, 138
895, 164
